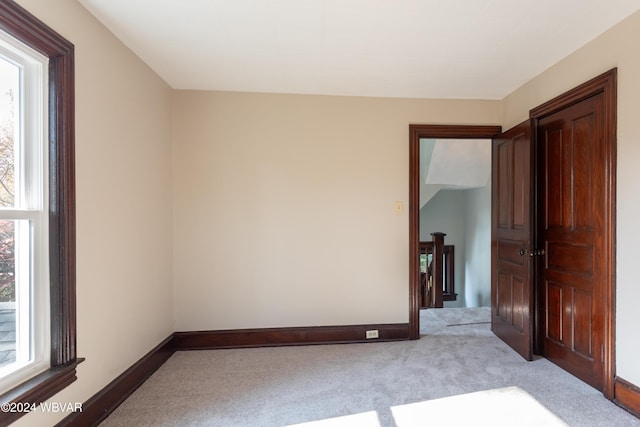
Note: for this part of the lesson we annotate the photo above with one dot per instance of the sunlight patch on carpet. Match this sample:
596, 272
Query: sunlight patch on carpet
508, 407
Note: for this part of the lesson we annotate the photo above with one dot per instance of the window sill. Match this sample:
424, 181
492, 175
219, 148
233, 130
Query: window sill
36, 390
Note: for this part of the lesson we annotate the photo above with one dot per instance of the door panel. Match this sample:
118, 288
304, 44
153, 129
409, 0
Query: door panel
511, 266
571, 201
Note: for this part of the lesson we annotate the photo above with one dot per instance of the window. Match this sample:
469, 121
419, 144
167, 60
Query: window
24, 278
37, 209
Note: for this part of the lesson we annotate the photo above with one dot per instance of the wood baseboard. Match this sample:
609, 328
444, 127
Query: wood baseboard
98, 407
241, 338
627, 395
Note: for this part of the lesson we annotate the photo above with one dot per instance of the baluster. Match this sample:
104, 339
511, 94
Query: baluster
437, 266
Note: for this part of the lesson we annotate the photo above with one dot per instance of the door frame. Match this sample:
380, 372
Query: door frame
417, 132
605, 84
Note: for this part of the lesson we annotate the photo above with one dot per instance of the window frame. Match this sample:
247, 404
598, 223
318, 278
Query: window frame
29, 213
20, 24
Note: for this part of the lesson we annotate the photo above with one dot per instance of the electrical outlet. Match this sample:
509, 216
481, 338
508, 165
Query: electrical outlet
372, 334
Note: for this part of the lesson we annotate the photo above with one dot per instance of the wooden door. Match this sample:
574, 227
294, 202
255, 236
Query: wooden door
512, 295
571, 194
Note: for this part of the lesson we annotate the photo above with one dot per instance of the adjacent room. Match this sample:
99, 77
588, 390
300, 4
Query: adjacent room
455, 199
236, 200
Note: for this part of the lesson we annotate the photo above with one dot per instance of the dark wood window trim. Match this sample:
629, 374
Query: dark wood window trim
20, 24
417, 132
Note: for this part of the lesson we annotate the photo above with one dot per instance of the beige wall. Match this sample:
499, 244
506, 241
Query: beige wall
284, 207
123, 173
615, 48
282, 204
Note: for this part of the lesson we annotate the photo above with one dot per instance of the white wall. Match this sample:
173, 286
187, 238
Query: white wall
477, 256
123, 177
284, 207
615, 48
465, 216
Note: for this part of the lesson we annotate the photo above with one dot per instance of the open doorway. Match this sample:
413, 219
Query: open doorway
417, 133
455, 203
568, 291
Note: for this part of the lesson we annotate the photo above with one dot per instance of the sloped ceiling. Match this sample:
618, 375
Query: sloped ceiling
471, 49
460, 164
453, 164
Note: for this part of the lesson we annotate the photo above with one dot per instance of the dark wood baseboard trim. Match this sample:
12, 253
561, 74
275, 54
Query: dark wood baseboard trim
627, 395
288, 336
98, 407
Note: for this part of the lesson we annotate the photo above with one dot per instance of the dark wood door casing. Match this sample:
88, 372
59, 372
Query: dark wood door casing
417, 132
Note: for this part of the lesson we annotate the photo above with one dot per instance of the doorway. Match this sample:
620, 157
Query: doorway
455, 203
416, 133
559, 309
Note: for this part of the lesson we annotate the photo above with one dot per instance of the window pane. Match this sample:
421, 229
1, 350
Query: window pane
15, 293
7, 293
9, 113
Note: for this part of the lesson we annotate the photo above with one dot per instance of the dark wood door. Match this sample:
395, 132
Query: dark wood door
571, 202
512, 295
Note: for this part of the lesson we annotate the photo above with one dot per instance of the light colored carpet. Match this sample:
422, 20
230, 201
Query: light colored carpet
459, 373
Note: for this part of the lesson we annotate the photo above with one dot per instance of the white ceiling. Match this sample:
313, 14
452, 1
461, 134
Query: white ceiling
470, 49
